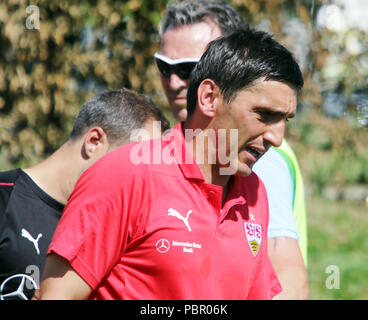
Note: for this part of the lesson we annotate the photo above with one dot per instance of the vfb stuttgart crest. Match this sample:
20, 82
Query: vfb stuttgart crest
253, 232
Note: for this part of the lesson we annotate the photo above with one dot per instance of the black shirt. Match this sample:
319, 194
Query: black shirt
28, 219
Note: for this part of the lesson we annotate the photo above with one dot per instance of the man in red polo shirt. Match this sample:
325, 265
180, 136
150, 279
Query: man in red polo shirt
183, 216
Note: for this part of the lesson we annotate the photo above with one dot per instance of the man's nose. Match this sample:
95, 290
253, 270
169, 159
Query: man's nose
175, 82
275, 133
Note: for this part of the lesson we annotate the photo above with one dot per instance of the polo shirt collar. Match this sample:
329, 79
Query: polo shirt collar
187, 162
182, 154
190, 169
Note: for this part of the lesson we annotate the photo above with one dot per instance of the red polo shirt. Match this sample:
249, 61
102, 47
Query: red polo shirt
157, 231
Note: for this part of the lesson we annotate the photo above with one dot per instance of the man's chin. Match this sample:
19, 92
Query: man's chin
244, 173
180, 114
244, 169
236, 167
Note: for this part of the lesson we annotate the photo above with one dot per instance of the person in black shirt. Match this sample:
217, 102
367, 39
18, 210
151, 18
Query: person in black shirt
32, 200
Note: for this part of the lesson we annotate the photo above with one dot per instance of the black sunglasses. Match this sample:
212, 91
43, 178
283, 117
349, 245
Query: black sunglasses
181, 67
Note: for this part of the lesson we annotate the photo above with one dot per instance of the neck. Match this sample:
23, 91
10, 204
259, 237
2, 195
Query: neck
204, 147
57, 174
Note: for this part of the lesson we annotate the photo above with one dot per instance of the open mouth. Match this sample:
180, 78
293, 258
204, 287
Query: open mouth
255, 153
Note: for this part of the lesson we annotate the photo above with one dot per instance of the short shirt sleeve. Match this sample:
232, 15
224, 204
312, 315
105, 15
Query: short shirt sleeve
275, 174
99, 218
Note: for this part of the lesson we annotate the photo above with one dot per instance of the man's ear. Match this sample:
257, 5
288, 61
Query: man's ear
94, 140
208, 96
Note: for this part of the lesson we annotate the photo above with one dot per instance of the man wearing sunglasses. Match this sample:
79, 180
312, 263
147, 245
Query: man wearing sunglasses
185, 32
182, 48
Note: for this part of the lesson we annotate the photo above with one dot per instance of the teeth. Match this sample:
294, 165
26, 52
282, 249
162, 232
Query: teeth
255, 153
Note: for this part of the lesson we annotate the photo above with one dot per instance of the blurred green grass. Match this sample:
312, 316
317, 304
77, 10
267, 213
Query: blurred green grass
337, 235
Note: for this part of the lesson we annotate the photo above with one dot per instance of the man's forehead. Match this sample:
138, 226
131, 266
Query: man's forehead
272, 93
208, 26
189, 41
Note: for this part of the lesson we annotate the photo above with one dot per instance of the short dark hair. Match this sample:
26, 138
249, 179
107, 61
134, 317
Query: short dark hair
117, 112
194, 11
236, 61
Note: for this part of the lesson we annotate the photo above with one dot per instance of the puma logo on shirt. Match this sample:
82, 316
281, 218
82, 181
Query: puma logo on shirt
176, 214
28, 236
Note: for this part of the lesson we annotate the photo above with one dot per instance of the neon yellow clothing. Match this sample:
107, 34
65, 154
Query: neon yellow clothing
299, 196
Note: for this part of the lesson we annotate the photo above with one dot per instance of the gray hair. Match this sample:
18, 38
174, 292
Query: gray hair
193, 11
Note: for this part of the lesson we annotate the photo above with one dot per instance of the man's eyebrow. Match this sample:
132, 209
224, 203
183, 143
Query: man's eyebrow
276, 113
